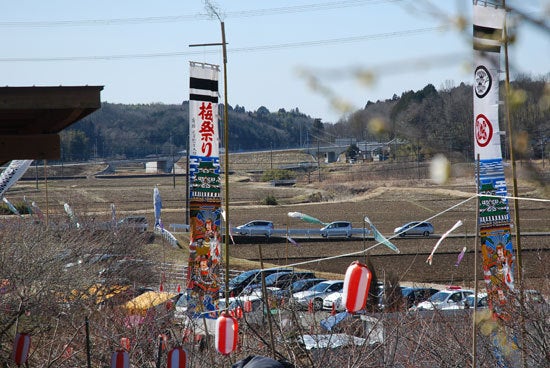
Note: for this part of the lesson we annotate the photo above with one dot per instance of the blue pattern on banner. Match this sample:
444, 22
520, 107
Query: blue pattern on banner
493, 211
204, 174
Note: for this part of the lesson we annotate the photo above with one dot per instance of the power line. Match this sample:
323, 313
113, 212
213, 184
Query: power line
302, 44
198, 16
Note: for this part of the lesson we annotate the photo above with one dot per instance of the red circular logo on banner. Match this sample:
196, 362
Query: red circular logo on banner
483, 130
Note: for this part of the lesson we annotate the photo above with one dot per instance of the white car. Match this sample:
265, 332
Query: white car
482, 301
256, 227
316, 294
445, 299
337, 228
334, 300
421, 228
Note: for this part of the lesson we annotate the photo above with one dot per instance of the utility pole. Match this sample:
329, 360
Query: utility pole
318, 162
173, 163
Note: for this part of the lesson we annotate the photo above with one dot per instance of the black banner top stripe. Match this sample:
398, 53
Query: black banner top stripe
206, 84
197, 97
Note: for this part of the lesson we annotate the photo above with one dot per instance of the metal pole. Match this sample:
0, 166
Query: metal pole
364, 240
46, 185
226, 159
159, 352
266, 301
318, 162
512, 158
88, 353
187, 182
515, 189
474, 329
173, 163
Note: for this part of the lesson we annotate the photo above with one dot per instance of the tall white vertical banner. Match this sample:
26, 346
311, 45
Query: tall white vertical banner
203, 272
494, 213
488, 25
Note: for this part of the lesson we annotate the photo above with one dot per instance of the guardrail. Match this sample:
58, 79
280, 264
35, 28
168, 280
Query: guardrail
307, 233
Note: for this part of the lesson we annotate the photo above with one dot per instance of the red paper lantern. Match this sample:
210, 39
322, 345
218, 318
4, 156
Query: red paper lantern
177, 358
333, 309
120, 359
356, 287
247, 306
310, 306
21, 347
227, 333
125, 343
239, 312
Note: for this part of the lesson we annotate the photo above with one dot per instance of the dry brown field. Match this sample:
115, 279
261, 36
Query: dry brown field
390, 194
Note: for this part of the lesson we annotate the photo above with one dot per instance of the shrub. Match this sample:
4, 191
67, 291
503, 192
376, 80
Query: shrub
270, 200
277, 174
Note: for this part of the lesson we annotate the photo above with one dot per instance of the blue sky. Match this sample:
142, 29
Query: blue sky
302, 54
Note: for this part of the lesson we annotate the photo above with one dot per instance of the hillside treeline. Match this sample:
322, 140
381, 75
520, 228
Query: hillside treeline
428, 121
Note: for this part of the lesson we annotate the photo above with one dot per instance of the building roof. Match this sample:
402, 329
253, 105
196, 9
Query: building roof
32, 117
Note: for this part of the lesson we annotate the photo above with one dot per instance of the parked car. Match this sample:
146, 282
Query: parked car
138, 223
270, 280
256, 227
316, 294
242, 280
482, 302
415, 295
296, 286
334, 300
445, 299
280, 280
415, 228
337, 228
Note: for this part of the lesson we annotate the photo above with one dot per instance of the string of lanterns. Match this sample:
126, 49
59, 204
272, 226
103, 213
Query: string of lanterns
355, 292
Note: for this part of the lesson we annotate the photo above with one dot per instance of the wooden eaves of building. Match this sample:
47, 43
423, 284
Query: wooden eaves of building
31, 118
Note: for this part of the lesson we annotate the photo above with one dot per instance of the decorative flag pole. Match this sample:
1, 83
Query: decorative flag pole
203, 86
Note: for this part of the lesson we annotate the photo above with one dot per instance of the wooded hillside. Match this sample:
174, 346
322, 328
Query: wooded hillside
429, 120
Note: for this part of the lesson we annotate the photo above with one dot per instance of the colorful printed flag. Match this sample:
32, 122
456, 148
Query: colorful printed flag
460, 256
29, 207
71, 215
455, 226
203, 277
306, 218
292, 241
380, 238
11, 206
12, 174
157, 203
